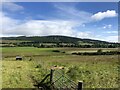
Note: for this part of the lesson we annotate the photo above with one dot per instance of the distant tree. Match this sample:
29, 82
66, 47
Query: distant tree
99, 51
42, 46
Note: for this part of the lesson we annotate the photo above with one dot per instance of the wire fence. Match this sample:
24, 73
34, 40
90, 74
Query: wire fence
57, 80
61, 81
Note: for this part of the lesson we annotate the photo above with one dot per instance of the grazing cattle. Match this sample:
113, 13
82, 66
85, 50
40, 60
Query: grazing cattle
18, 58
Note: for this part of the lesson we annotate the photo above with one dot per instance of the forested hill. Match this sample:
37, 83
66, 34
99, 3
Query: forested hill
54, 39
59, 40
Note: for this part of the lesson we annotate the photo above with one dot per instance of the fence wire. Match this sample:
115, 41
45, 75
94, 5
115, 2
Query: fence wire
56, 80
62, 82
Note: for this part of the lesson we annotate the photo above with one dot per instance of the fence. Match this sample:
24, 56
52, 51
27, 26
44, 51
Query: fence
57, 80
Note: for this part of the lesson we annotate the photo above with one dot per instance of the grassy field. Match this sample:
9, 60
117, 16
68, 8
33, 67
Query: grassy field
95, 71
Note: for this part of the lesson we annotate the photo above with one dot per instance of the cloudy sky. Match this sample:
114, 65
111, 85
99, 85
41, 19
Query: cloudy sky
84, 20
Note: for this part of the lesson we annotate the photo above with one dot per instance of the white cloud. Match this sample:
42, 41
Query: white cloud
6, 22
107, 26
69, 12
102, 15
83, 25
40, 27
111, 32
84, 34
43, 28
46, 27
111, 38
12, 6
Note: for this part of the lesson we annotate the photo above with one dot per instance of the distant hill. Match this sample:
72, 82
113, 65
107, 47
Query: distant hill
53, 39
77, 42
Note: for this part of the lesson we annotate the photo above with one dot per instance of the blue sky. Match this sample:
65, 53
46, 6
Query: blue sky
94, 20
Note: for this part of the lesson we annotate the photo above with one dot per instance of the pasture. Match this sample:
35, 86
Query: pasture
95, 71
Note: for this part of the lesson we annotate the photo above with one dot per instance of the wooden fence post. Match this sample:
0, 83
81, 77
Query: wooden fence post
51, 76
80, 85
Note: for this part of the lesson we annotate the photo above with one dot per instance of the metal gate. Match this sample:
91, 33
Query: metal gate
57, 80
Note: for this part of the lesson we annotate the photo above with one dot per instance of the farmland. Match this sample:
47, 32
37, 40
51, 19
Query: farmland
95, 71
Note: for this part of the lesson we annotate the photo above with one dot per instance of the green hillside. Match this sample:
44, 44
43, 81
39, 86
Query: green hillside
56, 41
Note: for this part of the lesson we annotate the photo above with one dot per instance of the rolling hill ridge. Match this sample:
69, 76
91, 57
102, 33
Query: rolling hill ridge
57, 41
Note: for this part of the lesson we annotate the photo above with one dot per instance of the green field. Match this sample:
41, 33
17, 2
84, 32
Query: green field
95, 71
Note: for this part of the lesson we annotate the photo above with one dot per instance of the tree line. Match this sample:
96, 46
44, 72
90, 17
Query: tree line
56, 41
99, 52
52, 45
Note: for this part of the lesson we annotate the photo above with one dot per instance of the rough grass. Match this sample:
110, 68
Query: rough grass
94, 71
16, 74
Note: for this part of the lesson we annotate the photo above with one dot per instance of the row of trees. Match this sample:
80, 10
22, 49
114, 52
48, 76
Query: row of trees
56, 41
51, 45
99, 52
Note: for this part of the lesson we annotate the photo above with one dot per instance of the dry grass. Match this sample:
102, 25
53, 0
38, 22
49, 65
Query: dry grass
94, 71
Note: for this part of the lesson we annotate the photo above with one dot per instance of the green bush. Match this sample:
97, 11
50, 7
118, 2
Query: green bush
55, 51
99, 51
